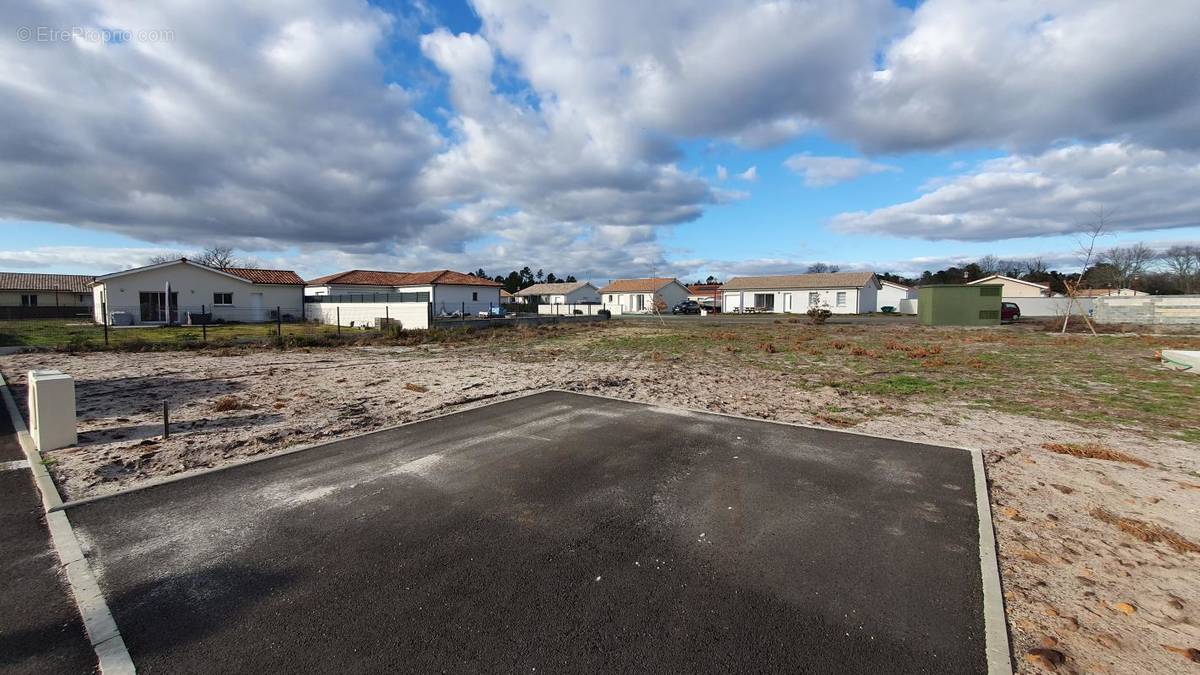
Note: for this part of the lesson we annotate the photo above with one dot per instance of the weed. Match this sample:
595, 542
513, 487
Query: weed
1093, 451
228, 403
1147, 532
902, 385
767, 347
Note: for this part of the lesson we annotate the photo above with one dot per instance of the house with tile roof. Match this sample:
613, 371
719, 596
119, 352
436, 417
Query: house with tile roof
1015, 288
640, 296
25, 295
563, 293
169, 292
841, 292
448, 291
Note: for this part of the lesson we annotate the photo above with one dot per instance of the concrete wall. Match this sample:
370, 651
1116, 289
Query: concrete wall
1148, 309
908, 306
411, 315
195, 287
1048, 307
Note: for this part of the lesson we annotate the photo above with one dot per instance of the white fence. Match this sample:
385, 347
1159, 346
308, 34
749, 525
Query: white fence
1046, 307
410, 315
570, 309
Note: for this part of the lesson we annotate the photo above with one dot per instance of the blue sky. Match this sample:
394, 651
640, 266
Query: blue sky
603, 139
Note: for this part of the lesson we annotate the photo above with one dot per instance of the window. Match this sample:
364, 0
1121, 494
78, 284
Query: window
28, 300
474, 296
641, 302
764, 301
841, 298
814, 299
222, 298
610, 298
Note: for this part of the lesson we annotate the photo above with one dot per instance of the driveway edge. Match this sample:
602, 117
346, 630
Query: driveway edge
98, 621
995, 621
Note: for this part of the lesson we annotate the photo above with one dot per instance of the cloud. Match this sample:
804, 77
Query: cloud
722, 173
750, 174
1056, 192
825, 171
1025, 74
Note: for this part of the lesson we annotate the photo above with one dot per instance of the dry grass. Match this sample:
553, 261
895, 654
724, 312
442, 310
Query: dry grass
1093, 451
1147, 532
228, 403
419, 388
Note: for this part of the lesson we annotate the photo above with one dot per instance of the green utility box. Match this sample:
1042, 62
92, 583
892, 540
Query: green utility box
959, 305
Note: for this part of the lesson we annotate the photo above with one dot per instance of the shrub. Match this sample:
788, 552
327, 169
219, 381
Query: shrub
819, 314
228, 403
887, 309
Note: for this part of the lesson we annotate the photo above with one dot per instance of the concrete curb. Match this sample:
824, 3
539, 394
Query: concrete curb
995, 621
98, 621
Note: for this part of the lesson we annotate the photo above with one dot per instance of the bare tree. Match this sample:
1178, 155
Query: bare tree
1087, 254
1034, 266
817, 268
1124, 264
164, 258
1183, 263
989, 265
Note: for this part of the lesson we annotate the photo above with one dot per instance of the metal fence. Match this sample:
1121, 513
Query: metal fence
133, 328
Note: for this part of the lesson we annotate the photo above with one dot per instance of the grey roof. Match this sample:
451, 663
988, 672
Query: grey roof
788, 281
553, 289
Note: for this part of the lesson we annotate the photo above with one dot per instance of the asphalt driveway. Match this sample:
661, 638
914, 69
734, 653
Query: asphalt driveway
557, 532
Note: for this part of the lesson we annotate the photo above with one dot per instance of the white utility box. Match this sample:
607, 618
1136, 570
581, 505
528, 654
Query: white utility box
51, 409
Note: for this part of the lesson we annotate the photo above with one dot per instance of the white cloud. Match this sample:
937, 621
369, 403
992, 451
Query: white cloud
1024, 73
824, 171
722, 173
1055, 192
750, 174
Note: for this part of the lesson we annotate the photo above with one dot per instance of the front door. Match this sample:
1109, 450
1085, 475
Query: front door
153, 306
256, 307
787, 302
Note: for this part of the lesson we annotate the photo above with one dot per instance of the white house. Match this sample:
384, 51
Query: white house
1014, 288
841, 292
891, 293
565, 293
45, 295
448, 291
167, 292
638, 296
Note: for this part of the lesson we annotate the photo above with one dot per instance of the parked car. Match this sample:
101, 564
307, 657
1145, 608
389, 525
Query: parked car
686, 307
1009, 311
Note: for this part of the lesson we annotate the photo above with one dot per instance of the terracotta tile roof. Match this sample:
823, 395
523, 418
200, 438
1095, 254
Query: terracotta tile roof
378, 278
67, 283
261, 276
637, 285
705, 289
786, 281
553, 289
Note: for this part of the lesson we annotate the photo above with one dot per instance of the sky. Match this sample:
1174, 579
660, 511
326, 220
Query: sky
600, 138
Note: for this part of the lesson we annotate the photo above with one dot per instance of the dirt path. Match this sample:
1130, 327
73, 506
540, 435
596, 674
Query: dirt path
1079, 582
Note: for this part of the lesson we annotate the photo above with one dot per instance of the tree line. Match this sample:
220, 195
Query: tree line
1172, 271
524, 278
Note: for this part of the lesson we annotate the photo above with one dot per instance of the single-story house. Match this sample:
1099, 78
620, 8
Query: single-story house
447, 290
506, 297
140, 295
708, 295
67, 292
891, 293
1015, 288
638, 296
565, 293
841, 292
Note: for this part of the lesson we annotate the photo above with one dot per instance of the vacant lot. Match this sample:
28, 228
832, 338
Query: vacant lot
1091, 445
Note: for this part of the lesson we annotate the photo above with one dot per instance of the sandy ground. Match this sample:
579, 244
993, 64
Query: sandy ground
1075, 586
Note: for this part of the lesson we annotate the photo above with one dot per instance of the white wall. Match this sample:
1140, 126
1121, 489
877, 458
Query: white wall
890, 296
195, 287
626, 303
856, 301
451, 299
1040, 307
568, 310
411, 315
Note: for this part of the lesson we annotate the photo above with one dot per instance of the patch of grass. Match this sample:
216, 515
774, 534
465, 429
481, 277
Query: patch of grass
900, 385
1147, 532
1093, 451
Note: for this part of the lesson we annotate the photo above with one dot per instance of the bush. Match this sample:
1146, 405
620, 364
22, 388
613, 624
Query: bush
604, 313
818, 314
888, 309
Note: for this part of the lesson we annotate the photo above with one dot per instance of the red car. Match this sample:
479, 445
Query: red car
1009, 311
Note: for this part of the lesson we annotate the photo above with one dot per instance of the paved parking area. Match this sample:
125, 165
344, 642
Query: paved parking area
555, 532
